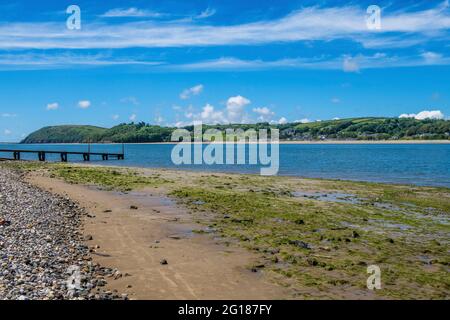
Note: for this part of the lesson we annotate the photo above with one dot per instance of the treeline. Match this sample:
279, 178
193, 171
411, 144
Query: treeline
368, 129
344, 129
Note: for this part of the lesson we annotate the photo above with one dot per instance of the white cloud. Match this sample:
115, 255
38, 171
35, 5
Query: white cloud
401, 27
7, 132
235, 108
64, 60
210, 115
132, 100
233, 113
407, 115
350, 65
43, 61
195, 90
282, 120
206, 13
115, 116
84, 104
8, 115
434, 114
133, 117
345, 63
335, 100
180, 124
431, 57
52, 106
265, 114
130, 12
263, 111
159, 120
304, 120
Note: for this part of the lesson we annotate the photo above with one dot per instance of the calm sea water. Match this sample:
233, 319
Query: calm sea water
420, 164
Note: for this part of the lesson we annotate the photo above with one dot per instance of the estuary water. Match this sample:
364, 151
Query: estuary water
418, 164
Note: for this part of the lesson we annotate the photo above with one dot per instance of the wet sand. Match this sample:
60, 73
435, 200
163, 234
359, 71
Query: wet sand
136, 241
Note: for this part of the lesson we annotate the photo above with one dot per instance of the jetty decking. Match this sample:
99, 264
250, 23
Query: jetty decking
63, 154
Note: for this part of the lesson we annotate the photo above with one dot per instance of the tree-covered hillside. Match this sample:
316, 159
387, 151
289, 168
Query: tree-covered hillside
344, 129
65, 134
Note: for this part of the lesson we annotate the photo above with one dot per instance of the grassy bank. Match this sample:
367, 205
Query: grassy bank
314, 236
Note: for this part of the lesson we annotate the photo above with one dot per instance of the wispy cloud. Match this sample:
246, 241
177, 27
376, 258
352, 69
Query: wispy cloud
402, 28
208, 12
306, 24
130, 12
335, 100
432, 57
131, 100
8, 115
28, 60
346, 63
194, 91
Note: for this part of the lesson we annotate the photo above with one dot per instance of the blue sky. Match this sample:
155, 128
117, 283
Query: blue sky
173, 62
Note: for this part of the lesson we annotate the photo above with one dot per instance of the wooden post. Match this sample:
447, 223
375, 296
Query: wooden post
63, 157
41, 156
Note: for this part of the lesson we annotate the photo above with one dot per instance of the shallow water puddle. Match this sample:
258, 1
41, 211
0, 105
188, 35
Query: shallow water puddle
329, 196
386, 224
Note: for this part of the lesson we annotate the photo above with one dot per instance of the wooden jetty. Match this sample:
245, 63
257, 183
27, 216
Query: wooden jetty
63, 154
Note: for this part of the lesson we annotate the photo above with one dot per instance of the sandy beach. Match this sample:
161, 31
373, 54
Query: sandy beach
168, 234
135, 241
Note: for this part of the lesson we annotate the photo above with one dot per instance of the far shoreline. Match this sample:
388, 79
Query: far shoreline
305, 142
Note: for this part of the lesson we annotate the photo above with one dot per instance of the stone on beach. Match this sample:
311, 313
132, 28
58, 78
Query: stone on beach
41, 248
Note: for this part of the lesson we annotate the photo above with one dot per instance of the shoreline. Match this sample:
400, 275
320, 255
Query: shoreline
178, 170
313, 142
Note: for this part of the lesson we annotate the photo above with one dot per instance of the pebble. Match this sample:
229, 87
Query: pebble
163, 261
300, 244
41, 246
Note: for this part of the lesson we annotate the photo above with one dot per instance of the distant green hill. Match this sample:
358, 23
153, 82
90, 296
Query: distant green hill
65, 134
343, 129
